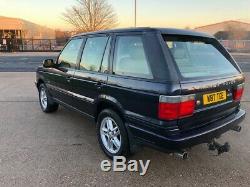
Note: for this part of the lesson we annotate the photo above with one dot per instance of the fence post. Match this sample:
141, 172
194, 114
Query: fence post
50, 45
32, 44
22, 45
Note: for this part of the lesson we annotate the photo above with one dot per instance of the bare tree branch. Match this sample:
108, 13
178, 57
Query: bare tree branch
91, 15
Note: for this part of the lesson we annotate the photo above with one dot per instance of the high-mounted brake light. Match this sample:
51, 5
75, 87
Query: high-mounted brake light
238, 92
176, 107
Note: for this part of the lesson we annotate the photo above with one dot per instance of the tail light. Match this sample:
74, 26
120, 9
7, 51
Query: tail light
238, 92
176, 107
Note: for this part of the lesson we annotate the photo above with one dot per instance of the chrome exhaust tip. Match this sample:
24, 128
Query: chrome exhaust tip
182, 155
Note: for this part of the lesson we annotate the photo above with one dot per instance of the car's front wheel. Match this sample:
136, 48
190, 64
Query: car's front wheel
46, 102
112, 134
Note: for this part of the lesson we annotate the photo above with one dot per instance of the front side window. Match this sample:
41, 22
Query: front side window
197, 57
93, 53
130, 58
69, 55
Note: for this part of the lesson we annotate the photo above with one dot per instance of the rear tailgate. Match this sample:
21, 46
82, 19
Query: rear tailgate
208, 71
214, 100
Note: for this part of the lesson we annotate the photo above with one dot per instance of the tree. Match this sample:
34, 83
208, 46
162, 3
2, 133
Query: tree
91, 15
62, 36
236, 33
222, 35
187, 28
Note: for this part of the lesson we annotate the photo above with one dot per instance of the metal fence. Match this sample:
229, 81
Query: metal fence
236, 45
10, 45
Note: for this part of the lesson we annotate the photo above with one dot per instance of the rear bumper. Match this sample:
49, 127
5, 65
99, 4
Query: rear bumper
187, 139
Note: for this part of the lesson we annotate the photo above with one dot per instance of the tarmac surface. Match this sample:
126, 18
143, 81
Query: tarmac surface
24, 62
28, 62
61, 149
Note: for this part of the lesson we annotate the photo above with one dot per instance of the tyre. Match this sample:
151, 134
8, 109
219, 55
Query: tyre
46, 102
112, 134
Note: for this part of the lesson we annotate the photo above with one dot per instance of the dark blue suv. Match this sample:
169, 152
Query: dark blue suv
167, 88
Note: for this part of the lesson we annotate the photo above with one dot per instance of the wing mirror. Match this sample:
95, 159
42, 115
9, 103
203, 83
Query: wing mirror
49, 63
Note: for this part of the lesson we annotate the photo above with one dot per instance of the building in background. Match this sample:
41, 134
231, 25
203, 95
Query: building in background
234, 35
21, 35
223, 26
20, 28
238, 28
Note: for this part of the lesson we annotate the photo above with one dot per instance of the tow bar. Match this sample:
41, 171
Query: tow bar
236, 128
212, 146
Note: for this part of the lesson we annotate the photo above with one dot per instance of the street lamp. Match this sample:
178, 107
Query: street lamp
135, 11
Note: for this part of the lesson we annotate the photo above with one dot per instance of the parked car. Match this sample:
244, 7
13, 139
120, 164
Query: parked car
167, 88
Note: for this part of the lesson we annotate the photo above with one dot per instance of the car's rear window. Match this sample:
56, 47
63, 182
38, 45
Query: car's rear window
199, 57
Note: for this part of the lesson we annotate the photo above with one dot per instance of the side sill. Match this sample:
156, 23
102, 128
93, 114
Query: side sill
92, 118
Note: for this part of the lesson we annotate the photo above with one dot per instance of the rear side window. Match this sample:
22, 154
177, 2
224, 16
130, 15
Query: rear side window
196, 57
69, 55
130, 58
93, 53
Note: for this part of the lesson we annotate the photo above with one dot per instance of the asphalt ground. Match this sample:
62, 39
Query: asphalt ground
23, 62
61, 149
28, 62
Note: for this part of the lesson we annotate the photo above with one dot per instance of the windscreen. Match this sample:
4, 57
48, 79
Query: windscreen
199, 57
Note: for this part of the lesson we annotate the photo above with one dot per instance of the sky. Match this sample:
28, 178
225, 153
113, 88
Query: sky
155, 13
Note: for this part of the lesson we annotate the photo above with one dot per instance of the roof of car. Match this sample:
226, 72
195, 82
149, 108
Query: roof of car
171, 31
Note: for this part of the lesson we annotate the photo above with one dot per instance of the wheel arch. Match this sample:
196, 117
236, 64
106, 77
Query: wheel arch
39, 82
107, 102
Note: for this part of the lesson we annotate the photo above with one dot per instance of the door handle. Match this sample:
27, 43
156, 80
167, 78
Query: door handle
68, 79
98, 85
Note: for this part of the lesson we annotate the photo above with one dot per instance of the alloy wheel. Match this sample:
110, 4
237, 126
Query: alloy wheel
43, 98
110, 135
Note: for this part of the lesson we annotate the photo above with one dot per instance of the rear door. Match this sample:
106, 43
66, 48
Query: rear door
91, 76
206, 70
131, 83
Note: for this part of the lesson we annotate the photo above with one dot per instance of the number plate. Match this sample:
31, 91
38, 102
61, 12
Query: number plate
214, 97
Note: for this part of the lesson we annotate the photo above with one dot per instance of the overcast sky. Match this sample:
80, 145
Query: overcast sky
162, 13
